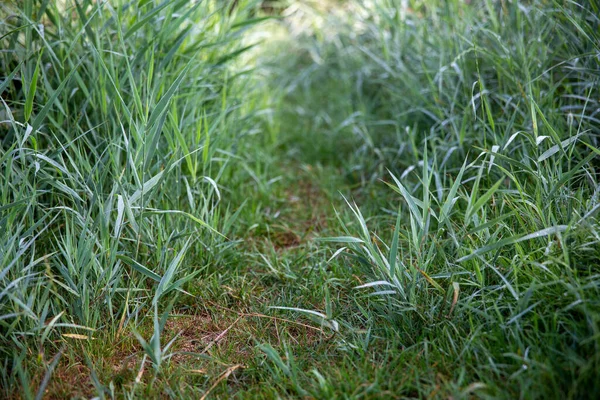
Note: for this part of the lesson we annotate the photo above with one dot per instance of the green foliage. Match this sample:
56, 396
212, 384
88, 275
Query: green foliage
172, 160
109, 176
486, 116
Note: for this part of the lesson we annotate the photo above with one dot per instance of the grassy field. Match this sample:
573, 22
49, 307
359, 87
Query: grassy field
300, 199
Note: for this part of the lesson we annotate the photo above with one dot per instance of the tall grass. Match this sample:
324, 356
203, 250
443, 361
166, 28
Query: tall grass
482, 117
116, 123
139, 142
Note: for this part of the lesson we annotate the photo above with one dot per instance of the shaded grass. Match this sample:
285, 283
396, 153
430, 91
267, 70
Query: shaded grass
487, 260
380, 201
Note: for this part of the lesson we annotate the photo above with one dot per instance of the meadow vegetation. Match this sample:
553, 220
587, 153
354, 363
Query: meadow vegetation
300, 199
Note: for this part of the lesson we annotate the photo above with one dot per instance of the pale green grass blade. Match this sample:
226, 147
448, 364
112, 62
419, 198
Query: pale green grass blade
514, 239
32, 89
37, 122
483, 199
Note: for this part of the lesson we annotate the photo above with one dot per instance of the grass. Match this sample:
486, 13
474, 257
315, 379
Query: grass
300, 199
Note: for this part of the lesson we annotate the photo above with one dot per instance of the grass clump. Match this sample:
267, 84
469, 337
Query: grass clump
299, 199
115, 114
485, 258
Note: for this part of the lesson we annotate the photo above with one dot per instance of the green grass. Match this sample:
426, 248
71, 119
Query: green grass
344, 199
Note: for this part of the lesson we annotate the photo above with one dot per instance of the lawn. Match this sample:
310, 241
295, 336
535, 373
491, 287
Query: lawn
300, 199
